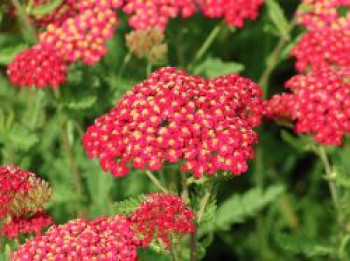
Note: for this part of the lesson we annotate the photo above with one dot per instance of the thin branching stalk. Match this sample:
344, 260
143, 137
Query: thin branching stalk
185, 193
331, 183
206, 45
72, 163
156, 182
203, 204
126, 61
275, 59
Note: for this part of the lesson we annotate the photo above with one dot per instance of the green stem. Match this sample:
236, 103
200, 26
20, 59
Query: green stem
203, 204
331, 183
194, 251
149, 68
72, 162
274, 60
185, 193
156, 182
126, 61
206, 44
27, 22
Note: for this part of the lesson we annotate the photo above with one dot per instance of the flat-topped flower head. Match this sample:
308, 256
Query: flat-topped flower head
82, 37
38, 66
325, 14
21, 192
325, 47
322, 104
204, 125
235, 12
145, 14
105, 239
161, 216
17, 226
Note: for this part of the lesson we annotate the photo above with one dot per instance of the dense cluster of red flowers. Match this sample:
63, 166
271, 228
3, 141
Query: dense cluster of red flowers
21, 192
327, 40
235, 12
318, 49
39, 66
203, 125
323, 14
22, 196
109, 239
319, 102
78, 30
160, 216
18, 226
116, 238
322, 104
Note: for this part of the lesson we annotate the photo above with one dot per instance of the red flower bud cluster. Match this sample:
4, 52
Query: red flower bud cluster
38, 66
17, 226
235, 12
105, 239
149, 44
324, 14
21, 192
160, 216
22, 196
204, 125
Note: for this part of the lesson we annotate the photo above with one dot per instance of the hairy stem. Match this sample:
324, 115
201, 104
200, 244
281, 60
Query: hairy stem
126, 61
206, 44
156, 182
72, 162
331, 183
185, 193
203, 204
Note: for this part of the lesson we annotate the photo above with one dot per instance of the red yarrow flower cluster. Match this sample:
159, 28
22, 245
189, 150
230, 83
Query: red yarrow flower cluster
38, 66
21, 192
327, 41
83, 36
279, 107
322, 104
325, 47
105, 239
235, 12
324, 14
204, 125
145, 14
161, 216
79, 37
17, 226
